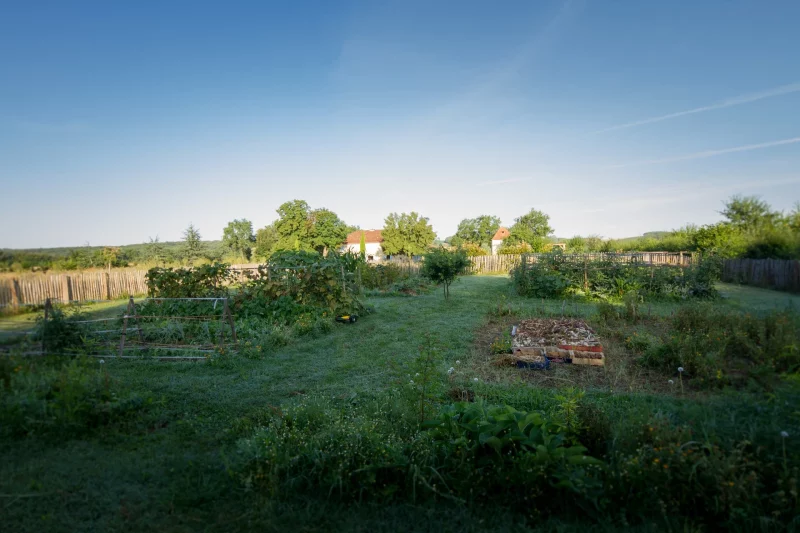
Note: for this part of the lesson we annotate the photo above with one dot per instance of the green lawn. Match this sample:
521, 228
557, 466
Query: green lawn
744, 297
174, 469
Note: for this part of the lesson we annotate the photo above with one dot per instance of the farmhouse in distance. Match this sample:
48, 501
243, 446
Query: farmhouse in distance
372, 241
497, 241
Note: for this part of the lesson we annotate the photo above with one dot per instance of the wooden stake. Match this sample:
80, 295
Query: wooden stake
124, 330
132, 305
48, 305
227, 313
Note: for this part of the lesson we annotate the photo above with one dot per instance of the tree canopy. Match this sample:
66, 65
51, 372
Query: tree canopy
406, 234
238, 237
478, 230
749, 213
443, 266
266, 239
327, 230
301, 228
532, 228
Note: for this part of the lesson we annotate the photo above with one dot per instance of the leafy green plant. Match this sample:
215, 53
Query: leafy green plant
716, 347
444, 266
502, 344
426, 377
555, 274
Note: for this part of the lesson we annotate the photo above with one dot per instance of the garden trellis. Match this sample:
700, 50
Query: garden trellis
159, 327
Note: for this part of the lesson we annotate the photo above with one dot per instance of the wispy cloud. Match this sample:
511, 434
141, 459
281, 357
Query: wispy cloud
708, 153
679, 194
498, 182
736, 100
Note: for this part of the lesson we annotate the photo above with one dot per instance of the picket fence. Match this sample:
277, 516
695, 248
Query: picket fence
779, 274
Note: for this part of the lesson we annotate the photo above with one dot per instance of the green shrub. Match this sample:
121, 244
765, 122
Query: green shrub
200, 282
718, 347
555, 275
373, 450
673, 473
381, 276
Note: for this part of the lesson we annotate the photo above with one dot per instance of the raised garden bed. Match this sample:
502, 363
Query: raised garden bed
557, 340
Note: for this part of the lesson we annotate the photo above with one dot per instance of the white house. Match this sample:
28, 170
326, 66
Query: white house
501, 235
373, 240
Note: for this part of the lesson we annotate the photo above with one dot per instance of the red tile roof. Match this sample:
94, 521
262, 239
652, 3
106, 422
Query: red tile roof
370, 235
501, 234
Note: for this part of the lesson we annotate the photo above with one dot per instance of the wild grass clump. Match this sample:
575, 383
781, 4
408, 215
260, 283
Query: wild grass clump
60, 397
717, 347
376, 450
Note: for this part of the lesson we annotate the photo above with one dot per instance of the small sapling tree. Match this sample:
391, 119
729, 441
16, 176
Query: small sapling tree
443, 266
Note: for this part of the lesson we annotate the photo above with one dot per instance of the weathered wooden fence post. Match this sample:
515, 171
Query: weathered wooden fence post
66, 289
16, 297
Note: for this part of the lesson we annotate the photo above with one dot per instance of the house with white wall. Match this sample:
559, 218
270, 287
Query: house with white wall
373, 240
501, 235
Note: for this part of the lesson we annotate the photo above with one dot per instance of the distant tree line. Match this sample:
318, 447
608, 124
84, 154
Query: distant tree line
750, 228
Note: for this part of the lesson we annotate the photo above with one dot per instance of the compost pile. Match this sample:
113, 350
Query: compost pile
561, 332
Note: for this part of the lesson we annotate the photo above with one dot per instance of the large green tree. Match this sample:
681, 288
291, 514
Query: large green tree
301, 228
238, 238
532, 228
192, 245
326, 230
749, 213
406, 234
478, 230
293, 225
266, 239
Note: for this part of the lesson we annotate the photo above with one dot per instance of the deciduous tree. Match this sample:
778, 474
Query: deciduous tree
749, 213
443, 266
407, 234
266, 239
326, 230
238, 237
478, 230
532, 228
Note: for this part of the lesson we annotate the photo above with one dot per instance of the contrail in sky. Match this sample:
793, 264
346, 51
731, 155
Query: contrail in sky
709, 153
737, 100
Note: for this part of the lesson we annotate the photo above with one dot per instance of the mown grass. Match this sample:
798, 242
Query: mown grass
175, 468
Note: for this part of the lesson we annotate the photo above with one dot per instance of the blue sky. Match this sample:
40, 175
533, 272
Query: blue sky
123, 121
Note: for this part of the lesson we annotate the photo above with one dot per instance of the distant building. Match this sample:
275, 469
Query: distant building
373, 240
501, 235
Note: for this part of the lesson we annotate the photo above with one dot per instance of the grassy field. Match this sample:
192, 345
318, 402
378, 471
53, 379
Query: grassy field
175, 468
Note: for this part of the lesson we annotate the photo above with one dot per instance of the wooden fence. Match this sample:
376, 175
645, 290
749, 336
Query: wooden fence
73, 287
493, 264
779, 274
648, 258
34, 289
